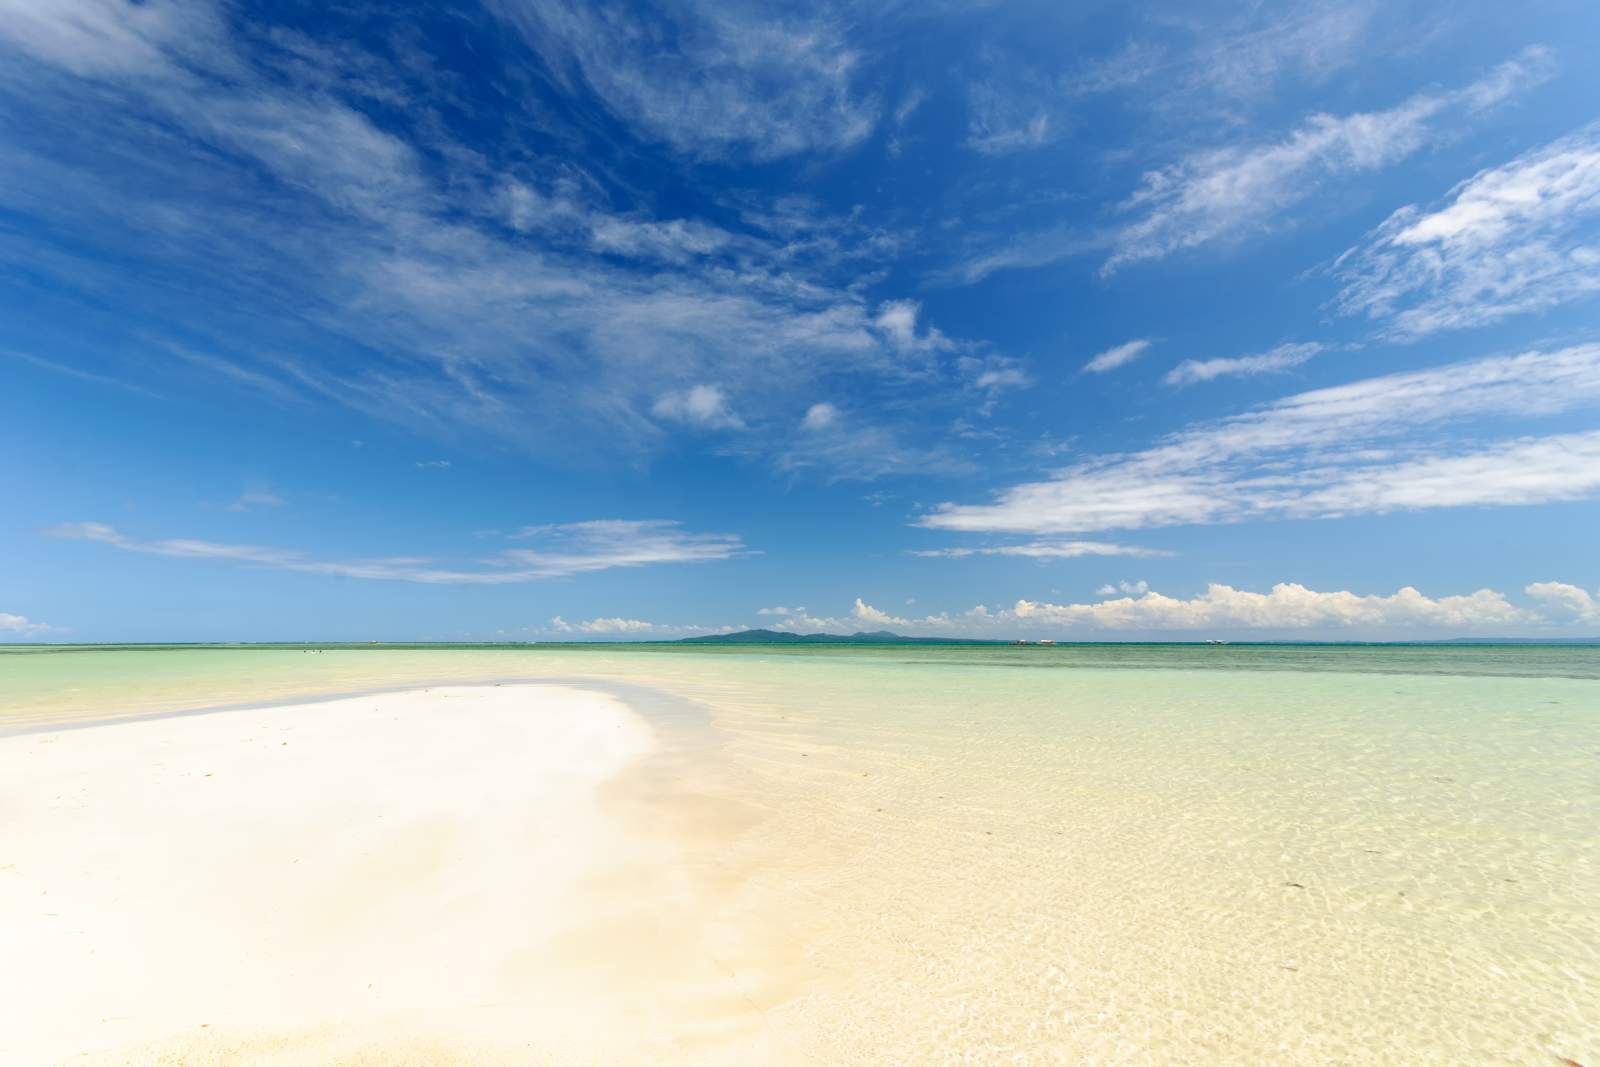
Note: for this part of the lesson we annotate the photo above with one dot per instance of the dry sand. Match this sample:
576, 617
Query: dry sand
429, 877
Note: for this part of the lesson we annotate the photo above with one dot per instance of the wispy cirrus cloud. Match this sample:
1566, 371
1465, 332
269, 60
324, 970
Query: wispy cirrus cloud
1281, 358
1371, 446
710, 80
77, 372
255, 500
541, 303
1002, 122
1237, 191
1043, 550
1229, 60
569, 549
1264, 46
848, 446
1117, 356
1513, 239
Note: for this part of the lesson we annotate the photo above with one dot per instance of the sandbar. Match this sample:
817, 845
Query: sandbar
416, 877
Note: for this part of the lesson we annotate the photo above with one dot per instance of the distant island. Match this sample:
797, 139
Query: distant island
860, 637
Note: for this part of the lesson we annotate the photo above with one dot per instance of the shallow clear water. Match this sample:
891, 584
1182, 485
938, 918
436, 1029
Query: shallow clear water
1088, 854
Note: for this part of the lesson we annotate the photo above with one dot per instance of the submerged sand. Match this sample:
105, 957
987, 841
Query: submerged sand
916, 857
425, 877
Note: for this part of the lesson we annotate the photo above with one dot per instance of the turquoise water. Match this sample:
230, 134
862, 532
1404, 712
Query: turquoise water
1084, 854
44, 681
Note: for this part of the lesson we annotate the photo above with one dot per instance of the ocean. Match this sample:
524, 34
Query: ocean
1077, 854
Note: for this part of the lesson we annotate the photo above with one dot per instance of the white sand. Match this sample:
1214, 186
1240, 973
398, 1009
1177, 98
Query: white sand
425, 877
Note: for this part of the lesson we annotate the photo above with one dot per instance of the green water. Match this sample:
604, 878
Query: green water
41, 682
1090, 854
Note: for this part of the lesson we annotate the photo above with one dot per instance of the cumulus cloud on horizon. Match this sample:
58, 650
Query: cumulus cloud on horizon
616, 627
1287, 608
20, 626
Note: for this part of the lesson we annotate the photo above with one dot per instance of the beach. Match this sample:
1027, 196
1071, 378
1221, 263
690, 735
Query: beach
413, 877
565, 855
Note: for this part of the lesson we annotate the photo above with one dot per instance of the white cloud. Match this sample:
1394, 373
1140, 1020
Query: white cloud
1033, 247
711, 80
1337, 451
552, 310
1043, 550
819, 416
992, 377
253, 499
1138, 588
849, 449
1281, 358
1002, 122
674, 240
908, 105
1310, 43
1514, 239
21, 626
1238, 55
1534, 470
1288, 608
897, 321
613, 627
1567, 603
781, 611
76, 372
862, 616
602, 625
573, 548
433, 464
1233, 192
1122, 69
705, 406
1003, 377
97, 37
1119, 356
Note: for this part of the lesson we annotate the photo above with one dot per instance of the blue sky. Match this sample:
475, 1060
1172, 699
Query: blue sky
532, 321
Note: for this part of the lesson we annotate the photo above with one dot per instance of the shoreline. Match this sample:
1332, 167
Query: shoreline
437, 872
825, 861
628, 694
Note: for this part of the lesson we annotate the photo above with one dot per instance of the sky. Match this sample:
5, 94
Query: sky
544, 321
